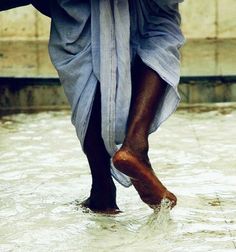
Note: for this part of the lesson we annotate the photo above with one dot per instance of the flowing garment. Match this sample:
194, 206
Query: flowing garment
97, 41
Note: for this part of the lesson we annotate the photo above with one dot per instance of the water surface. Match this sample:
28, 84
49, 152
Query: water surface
43, 171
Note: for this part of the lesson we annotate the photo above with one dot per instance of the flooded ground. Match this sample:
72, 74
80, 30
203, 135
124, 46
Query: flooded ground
43, 171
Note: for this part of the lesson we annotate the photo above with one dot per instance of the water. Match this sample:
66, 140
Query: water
43, 172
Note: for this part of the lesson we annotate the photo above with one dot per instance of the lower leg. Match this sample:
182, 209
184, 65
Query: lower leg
147, 91
132, 159
103, 191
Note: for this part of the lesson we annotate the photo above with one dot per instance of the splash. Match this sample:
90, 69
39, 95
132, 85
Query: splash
161, 214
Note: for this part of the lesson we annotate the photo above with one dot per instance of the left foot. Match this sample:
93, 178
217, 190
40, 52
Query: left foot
98, 208
102, 198
142, 176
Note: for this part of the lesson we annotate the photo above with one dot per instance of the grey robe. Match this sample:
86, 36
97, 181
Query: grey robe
95, 41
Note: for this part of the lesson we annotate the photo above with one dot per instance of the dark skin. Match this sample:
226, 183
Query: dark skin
132, 159
103, 193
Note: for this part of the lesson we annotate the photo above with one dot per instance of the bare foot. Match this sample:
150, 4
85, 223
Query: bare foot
102, 197
113, 209
148, 186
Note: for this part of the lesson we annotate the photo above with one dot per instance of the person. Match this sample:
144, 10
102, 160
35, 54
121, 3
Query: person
118, 62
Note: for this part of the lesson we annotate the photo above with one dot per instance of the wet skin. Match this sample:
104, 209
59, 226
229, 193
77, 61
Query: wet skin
103, 192
132, 159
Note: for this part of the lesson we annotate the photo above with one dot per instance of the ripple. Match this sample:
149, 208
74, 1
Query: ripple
43, 170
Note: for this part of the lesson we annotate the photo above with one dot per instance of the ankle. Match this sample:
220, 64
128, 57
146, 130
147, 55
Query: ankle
103, 187
103, 198
137, 146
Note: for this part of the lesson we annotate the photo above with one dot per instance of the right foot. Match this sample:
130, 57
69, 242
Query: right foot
148, 186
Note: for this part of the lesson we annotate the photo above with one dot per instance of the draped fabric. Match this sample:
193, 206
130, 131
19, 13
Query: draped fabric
98, 41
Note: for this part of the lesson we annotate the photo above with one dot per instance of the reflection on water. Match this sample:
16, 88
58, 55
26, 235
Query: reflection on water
43, 170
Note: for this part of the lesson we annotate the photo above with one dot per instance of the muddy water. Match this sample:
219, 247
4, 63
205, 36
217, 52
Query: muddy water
43, 172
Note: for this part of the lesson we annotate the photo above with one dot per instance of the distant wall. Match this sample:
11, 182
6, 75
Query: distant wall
201, 19
24, 23
209, 19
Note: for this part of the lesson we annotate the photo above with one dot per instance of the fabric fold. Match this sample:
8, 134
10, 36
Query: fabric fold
115, 77
97, 41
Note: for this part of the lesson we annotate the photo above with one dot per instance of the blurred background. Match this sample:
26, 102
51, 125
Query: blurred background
208, 58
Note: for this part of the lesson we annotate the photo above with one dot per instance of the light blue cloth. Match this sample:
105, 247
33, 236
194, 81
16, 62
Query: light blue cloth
97, 40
